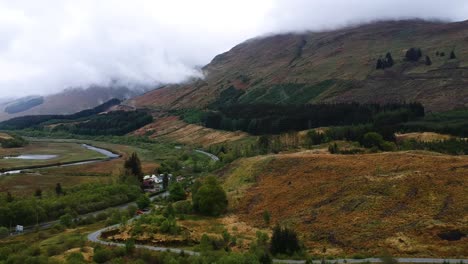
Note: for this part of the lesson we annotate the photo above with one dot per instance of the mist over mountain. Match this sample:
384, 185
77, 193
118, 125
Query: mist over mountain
78, 44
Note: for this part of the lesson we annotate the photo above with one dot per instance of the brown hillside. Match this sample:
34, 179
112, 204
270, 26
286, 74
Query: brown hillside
334, 66
173, 129
358, 203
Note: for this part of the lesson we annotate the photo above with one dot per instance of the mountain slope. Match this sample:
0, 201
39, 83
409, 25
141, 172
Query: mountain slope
67, 102
333, 66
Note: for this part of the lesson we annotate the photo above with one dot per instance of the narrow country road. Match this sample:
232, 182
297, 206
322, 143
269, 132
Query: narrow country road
212, 156
95, 237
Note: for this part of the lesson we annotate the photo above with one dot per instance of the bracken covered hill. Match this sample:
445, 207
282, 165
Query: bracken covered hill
333, 66
408, 203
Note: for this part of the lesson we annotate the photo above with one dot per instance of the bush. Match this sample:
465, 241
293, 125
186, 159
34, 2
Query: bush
210, 198
284, 241
372, 139
183, 207
176, 192
102, 255
4, 232
66, 220
143, 201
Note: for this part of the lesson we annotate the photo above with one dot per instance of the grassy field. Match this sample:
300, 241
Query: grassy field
65, 152
357, 204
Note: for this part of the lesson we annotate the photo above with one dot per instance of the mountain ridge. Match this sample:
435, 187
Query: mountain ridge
332, 66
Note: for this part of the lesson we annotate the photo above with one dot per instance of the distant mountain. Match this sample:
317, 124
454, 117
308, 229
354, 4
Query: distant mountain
66, 102
334, 66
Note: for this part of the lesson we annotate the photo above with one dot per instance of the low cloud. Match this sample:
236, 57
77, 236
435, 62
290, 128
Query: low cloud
49, 45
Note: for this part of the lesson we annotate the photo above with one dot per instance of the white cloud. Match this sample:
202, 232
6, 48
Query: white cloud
49, 45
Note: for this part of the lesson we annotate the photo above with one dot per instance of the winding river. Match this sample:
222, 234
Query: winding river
110, 155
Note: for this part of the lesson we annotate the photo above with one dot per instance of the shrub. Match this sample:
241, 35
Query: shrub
66, 220
372, 139
4, 232
143, 201
102, 255
176, 192
210, 199
183, 207
284, 241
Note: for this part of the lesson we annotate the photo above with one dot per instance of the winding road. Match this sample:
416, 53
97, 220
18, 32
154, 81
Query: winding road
212, 156
95, 237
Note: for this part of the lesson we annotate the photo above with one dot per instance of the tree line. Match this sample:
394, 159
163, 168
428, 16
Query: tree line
261, 119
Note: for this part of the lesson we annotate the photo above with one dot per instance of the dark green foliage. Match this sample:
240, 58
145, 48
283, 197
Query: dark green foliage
286, 93
102, 255
4, 232
227, 97
413, 54
266, 217
451, 146
386, 62
210, 198
165, 181
284, 241
176, 192
428, 61
452, 55
372, 139
82, 199
132, 166
24, 105
113, 123
14, 142
333, 148
32, 121
316, 138
58, 189
183, 207
130, 246
453, 122
272, 119
66, 220
143, 201
389, 59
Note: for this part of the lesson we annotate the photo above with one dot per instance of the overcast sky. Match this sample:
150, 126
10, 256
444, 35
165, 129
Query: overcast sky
49, 45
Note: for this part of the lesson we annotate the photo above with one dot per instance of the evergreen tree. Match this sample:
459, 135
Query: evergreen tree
380, 64
428, 61
452, 55
413, 54
58, 189
389, 59
165, 181
284, 241
132, 166
176, 192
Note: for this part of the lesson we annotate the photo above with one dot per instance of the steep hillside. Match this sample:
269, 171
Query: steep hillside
403, 202
67, 102
173, 129
333, 66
